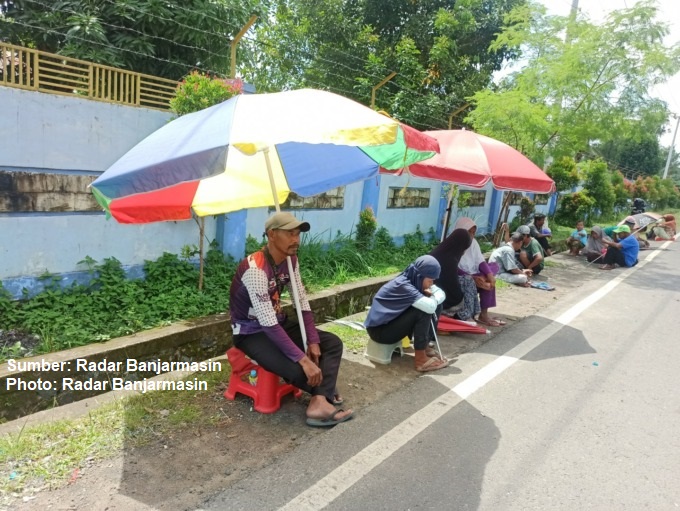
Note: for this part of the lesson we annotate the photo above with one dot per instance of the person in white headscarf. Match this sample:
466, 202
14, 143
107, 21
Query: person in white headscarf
477, 279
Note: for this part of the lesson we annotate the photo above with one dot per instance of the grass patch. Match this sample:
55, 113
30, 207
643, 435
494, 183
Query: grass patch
354, 340
46, 455
551, 263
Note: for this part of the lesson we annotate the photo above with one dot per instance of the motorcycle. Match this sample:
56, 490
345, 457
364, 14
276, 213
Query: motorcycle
639, 206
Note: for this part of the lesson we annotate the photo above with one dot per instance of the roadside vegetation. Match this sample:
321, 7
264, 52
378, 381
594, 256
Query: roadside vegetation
111, 305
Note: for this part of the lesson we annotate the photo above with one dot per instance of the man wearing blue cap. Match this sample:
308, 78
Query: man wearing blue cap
624, 252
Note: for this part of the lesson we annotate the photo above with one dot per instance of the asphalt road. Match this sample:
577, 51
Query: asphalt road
575, 408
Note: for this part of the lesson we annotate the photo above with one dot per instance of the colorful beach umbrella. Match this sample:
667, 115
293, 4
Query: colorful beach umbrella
470, 159
252, 151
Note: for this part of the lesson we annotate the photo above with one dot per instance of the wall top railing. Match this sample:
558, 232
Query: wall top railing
30, 69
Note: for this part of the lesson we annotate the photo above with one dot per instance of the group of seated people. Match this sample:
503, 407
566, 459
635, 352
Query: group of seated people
454, 279
618, 245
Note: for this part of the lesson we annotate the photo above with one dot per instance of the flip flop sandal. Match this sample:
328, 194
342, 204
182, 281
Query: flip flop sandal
499, 321
328, 421
433, 364
491, 322
337, 400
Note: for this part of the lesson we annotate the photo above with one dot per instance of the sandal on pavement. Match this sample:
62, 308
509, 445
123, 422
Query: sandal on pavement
433, 364
330, 420
337, 400
491, 322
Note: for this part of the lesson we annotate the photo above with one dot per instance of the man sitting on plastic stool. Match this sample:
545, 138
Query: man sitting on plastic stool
262, 331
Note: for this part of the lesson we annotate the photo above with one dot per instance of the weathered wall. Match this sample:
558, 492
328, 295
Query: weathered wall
23, 192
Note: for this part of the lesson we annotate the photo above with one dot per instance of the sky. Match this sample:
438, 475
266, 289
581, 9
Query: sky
597, 10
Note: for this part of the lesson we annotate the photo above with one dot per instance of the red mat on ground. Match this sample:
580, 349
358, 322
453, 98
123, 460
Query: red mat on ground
447, 324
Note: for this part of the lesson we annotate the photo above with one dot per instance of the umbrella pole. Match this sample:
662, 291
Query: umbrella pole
201, 230
447, 216
293, 282
502, 218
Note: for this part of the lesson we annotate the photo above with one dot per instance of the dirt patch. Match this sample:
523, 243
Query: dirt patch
181, 470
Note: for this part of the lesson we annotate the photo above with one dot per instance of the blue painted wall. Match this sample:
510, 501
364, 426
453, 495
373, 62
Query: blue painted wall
50, 133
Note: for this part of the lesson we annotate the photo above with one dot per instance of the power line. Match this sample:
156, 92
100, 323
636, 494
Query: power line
161, 59
129, 29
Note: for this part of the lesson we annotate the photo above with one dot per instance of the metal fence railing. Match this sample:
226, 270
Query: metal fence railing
25, 68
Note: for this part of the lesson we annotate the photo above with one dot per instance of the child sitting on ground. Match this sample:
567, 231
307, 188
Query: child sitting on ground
577, 239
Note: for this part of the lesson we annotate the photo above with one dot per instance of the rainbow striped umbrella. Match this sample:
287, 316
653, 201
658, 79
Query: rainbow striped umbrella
252, 151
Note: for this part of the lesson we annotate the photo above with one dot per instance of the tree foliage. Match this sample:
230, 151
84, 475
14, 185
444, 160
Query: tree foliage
565, 173
598, 186
438, 48
167, 39
591, 87
634, 156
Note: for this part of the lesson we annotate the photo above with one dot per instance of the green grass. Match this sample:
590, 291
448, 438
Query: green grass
354, 340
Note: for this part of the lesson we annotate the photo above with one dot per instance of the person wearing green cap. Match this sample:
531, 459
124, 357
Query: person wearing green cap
623, 252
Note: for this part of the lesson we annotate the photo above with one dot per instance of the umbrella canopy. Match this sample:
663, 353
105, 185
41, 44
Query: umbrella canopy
642, 220
238, 154
447, 324
470, 159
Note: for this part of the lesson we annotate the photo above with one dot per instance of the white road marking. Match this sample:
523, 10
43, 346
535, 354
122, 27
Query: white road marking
330, 487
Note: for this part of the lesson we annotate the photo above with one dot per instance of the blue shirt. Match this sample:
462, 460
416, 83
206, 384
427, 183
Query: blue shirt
582, 236
630, 248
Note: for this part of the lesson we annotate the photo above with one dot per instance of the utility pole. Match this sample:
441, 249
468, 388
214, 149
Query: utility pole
670, 149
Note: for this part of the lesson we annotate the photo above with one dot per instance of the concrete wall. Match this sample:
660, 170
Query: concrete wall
52, 134
48, 131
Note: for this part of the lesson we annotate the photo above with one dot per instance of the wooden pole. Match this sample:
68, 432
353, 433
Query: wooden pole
502, 218
234, 44
391, 75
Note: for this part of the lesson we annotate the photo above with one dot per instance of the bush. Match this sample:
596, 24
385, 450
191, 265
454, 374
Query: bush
113, 306
198, 91
366, 229
574, 207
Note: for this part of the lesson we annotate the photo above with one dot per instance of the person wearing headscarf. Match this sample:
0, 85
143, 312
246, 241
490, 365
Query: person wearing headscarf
410, 305
595, 246
477, 280
448, 254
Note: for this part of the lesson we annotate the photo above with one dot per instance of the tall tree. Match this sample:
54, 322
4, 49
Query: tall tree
438, 48
633, 157
591, 88
168, 38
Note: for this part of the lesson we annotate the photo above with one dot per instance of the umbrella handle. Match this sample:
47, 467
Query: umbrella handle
296, 300
293, 283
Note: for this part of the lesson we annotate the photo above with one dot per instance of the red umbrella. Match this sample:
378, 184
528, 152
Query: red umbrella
447, 324
470, 159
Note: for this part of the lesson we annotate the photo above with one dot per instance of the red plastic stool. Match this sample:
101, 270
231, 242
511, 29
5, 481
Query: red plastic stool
268, 391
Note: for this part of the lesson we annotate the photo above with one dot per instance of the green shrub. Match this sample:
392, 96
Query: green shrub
198, 91
366, 229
